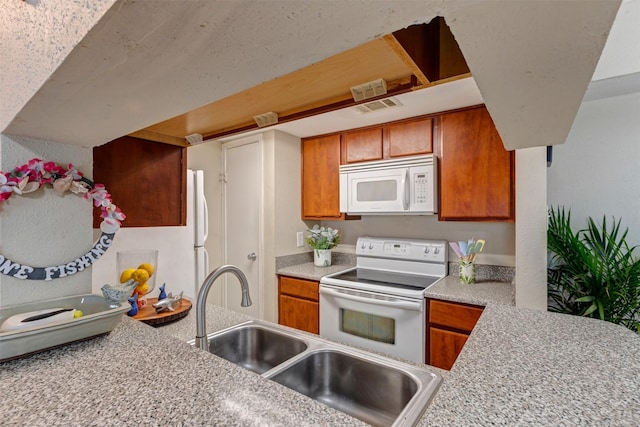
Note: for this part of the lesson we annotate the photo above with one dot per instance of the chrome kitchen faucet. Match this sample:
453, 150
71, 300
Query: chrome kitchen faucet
201, 321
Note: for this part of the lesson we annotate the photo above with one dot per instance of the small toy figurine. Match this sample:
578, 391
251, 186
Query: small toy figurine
163, 294
134, 305
118, 293
168, 303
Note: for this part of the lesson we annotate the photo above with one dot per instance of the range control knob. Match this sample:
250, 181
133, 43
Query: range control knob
427, 249
370, 245
436, 250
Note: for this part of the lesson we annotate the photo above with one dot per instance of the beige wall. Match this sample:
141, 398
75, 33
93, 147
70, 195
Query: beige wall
282, 198
500, 236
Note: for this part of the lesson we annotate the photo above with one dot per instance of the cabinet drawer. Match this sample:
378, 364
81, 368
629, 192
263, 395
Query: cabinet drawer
299, 287
457, 316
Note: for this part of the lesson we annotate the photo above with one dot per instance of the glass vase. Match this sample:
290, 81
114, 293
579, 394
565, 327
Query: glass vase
127, 262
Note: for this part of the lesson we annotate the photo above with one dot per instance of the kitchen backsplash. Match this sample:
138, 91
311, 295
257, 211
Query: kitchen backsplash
497, 273
337, 258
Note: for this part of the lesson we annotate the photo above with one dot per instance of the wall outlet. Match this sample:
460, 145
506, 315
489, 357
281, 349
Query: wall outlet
300, 239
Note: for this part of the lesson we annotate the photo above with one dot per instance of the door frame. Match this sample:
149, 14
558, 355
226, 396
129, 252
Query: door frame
226, 145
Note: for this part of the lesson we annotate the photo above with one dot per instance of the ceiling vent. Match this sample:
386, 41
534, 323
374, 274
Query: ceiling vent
266, 119
380, 104
194, 138
369, 90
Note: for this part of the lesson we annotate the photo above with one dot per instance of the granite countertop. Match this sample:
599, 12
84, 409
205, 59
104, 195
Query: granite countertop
482, 292
309, 271
139, 375
518, 367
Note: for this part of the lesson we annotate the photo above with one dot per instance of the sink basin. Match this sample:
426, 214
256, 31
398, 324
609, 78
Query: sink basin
254, 347
366, 390
375, 389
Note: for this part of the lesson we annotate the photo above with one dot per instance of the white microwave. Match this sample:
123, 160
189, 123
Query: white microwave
389, 187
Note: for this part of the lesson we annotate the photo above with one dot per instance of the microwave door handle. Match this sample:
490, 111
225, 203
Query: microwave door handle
405, 193
407, 305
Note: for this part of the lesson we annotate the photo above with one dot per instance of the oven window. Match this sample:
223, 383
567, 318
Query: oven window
368, 326
377, 191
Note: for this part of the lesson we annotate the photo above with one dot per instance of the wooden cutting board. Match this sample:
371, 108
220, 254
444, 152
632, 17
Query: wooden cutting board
148, 315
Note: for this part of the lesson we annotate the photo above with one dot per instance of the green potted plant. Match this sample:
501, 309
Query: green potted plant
322, 240
593, 272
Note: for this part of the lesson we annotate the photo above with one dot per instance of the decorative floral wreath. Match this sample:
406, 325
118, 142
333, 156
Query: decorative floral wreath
33, 175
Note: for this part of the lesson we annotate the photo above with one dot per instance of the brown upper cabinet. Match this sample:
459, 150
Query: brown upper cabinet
409, 138
477, 175
362, 145
397, 139
146, 179
321, 177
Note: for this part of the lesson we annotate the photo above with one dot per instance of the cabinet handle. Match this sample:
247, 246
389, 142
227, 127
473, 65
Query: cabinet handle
407, 305
252, 256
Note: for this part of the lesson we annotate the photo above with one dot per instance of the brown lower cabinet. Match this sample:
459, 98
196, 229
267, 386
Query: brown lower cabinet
298, 305
448, 327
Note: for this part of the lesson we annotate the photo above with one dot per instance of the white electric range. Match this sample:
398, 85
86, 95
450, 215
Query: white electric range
380, 304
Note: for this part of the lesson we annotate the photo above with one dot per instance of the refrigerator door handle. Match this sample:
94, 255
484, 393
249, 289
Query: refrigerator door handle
205, 219
206, 263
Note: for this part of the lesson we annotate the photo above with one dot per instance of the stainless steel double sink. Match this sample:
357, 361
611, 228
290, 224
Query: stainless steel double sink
375, 389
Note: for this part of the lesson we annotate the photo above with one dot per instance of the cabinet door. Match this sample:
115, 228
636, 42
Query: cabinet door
444, 347
321, 177
299, 313
409, 138
362, 146
146, 179
476, 172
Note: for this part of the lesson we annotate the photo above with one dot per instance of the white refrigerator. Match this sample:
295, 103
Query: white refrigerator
198, 227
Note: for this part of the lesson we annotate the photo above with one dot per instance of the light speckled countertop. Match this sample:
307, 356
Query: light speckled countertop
309, 271
519, 367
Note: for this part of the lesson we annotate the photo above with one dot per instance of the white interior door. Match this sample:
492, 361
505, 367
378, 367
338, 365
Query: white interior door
243, 206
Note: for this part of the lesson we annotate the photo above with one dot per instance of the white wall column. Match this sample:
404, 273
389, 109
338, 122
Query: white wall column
531, 228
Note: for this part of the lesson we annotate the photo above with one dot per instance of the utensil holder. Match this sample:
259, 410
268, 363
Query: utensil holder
467, 272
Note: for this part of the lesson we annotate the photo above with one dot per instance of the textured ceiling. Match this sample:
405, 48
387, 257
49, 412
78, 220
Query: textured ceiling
145, 62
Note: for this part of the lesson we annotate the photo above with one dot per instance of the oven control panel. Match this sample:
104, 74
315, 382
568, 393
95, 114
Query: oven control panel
406, 249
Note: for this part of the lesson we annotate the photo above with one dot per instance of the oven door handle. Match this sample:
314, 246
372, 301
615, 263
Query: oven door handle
407, 305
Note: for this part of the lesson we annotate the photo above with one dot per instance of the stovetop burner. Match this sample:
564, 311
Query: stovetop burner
387, 278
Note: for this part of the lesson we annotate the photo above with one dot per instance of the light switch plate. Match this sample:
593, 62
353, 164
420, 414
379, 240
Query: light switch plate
300, 239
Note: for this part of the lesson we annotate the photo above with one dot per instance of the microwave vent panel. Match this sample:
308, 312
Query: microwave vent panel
380, 104
369, 90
